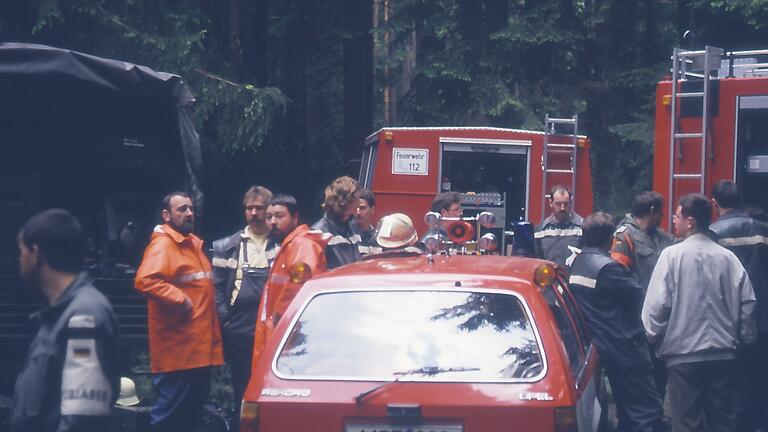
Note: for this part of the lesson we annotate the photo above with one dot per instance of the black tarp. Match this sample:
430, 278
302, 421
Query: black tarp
103, 138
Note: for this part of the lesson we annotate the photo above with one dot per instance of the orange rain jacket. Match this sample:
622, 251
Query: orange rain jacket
301, 245
174, 268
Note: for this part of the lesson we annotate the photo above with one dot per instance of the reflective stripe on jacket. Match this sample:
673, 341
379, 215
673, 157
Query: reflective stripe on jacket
611, 299
747, 238
69, 381
342, 247
553, 239
174, 268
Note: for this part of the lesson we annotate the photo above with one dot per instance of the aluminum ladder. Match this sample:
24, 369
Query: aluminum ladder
696, 65
550, 149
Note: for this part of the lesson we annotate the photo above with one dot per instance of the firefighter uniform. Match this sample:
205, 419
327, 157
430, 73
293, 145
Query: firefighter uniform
301, 245
183, 345
555, 241
747, 238
612, 300
70, 379
638, 251
240, 269
343, 246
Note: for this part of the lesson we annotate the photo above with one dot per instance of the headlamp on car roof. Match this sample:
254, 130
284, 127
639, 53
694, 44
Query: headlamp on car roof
488, 243
432, 219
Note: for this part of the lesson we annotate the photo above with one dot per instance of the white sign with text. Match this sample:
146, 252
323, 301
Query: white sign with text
408, 161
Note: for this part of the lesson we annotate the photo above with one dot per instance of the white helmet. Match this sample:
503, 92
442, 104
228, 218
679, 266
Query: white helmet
127, 393
396, 231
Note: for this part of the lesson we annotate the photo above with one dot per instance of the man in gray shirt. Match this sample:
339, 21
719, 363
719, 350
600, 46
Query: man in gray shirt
698, 311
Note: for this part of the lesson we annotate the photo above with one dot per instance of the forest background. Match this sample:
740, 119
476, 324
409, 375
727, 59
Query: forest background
288, 90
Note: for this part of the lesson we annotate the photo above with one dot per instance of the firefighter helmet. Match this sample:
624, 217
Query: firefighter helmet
395, 231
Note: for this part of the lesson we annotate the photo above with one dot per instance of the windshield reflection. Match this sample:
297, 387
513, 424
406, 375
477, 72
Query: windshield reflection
379, 334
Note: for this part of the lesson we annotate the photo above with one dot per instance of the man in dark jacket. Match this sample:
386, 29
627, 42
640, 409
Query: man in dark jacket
747, 238
560, 233
612, 299
70, 381
637, 244
363, 223
240, 268
340, 204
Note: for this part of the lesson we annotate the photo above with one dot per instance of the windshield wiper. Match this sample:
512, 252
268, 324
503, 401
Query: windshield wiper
361, 397
434, 370
426, 370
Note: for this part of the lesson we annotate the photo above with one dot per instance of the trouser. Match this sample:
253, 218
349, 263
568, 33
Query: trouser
751, 385
238, 351
701, 396
180, 398
659, 373
638, 406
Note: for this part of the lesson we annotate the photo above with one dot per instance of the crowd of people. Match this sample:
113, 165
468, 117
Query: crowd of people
678, 318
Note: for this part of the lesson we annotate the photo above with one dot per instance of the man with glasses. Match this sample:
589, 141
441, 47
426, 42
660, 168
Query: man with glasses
560, 233
448, 204
698, 311
241, 264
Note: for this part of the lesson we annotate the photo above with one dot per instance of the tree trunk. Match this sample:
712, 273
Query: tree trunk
357, 18
254, 39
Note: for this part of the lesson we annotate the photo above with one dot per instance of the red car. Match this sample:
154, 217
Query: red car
432, 344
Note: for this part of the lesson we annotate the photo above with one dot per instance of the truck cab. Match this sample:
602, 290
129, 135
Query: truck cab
506, 172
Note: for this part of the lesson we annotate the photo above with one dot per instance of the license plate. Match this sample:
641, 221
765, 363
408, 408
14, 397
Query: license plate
405, 428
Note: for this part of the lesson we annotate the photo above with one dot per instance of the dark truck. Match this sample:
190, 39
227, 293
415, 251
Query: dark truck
104, 139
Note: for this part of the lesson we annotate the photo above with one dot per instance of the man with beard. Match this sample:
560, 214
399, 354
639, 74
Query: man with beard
70, 381
559, 233
340, 203
184, 337
240, 268
300, 257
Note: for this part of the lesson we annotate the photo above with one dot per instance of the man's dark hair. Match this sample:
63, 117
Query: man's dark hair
368, 196
726, 193
646, 203
257, 192
698, 207
597, 229
287, 201
444, 201
59, 238
167, 199
559, 189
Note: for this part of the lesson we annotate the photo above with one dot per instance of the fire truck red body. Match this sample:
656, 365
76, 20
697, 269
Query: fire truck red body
714, 127
504, 171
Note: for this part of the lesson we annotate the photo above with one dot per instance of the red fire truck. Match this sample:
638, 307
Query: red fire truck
504, 171
712, 124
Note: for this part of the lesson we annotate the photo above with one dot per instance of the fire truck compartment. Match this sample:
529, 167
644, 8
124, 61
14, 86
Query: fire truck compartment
752, 150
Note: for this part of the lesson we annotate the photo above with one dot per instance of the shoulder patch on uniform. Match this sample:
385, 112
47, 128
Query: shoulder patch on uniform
82, 321
621, 229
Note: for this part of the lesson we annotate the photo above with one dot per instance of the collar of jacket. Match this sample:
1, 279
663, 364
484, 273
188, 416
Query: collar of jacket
734, 213
574, 220
336, 225
177, 236
66, 297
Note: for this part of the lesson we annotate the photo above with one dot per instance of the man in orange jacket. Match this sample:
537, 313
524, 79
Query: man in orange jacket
184, 338
301, 256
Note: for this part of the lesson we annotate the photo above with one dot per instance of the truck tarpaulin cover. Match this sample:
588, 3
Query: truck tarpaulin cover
90, 134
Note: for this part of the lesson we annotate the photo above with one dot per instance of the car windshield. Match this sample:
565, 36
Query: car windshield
414, 336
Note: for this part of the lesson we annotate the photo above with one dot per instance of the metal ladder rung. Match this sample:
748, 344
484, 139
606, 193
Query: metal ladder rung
687, 95
562, 121
561, 151
559, 171
689, 135
686, 176
570, 146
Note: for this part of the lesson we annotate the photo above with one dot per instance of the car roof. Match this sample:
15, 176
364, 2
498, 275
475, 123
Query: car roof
469, 270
